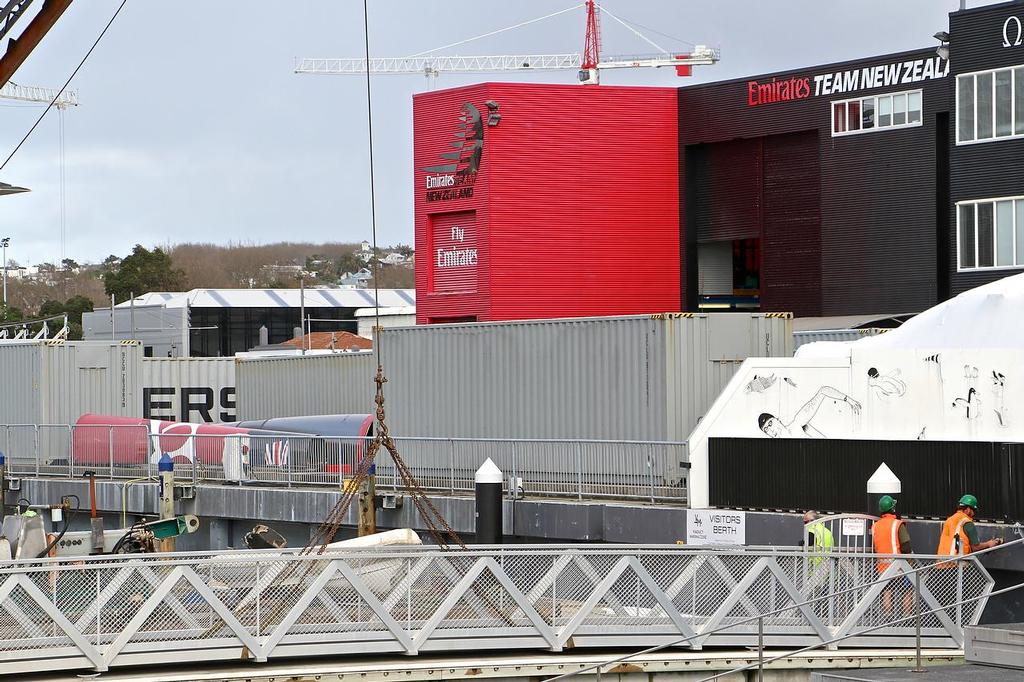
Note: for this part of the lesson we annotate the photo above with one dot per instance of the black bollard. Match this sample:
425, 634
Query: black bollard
488, 504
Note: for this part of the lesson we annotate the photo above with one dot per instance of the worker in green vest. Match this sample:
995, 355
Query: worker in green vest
818, 538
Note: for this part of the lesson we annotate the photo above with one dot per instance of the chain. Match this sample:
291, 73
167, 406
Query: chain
441, 532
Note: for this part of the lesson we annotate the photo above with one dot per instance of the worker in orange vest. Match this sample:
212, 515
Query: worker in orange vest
959, 536
892, 537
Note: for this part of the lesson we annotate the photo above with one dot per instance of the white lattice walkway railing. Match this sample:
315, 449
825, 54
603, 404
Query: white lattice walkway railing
126, 611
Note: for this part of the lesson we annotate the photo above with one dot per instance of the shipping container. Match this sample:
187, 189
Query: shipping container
188, 389
55, 382
815, 335
296, 386
644, 377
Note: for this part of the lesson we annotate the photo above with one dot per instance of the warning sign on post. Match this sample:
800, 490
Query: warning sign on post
714, 527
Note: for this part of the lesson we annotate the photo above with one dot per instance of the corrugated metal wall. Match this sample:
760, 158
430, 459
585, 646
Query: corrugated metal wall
189, 389
592, 378
341, 383
562, 228
585, 201
801, 338
791, 231
715, 268
55, 382
831, 475
729, 190
630, 378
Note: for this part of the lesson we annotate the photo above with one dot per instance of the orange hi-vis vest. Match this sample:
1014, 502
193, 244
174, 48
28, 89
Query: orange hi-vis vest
886, 532
949, 545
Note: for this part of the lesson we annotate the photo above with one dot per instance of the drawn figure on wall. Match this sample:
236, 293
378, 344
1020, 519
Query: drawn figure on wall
774, 427
886, 385
972, 401
998, 389
760, 384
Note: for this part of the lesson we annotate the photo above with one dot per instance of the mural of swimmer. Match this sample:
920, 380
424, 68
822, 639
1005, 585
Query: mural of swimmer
886, 385
774, 427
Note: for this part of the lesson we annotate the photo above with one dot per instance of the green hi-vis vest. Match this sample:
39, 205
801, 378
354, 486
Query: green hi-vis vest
823, 541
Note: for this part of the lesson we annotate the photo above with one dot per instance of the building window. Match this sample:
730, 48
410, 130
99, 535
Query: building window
990, 233
881, 112
990, 105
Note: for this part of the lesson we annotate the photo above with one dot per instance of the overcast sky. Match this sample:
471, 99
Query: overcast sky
193, 126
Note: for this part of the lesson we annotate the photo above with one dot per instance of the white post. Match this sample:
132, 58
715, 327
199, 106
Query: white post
4, 242
302, 311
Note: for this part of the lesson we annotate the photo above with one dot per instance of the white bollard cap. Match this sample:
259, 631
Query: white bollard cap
884, 482
489, 473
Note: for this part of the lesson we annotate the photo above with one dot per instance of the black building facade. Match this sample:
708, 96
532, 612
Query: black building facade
881, 185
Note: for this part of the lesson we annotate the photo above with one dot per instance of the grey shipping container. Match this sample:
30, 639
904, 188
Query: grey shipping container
188, 389
624, 378
813, 336
301, 385
55, 382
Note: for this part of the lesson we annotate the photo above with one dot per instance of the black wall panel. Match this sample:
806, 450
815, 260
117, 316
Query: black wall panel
791, 240
831, 475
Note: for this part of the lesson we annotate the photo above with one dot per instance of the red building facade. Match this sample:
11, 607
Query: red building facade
541, 201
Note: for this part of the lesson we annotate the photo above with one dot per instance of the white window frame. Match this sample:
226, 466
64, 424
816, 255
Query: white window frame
875, 128
1013, 105
995, 233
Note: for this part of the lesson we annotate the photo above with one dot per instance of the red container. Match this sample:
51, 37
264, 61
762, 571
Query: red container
544, 201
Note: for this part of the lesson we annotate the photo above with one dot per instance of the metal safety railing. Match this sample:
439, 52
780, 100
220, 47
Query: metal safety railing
112, 611
654, 471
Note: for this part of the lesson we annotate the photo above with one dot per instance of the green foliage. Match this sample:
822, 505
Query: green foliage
141, 272
75, 306
10, 314
51, 309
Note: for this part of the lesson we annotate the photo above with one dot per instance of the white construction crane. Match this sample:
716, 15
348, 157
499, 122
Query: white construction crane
30, 93
588, 64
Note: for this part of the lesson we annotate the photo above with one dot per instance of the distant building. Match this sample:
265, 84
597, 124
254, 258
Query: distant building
222, 322
393, 259
358, 279
400, 316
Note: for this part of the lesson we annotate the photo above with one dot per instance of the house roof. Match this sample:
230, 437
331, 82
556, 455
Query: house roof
330, 340
276, 298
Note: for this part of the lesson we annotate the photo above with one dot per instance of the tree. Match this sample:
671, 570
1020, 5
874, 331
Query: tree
9, 313
69, 264
141, 272
51, 308
75, 306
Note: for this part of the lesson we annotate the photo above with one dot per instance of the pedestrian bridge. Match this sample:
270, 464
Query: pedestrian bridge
113, 611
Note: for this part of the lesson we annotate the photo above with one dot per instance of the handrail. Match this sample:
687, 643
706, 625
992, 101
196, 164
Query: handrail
418, 599
885, 578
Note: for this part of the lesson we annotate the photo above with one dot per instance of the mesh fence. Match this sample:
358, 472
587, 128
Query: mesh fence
646, 470
408, 598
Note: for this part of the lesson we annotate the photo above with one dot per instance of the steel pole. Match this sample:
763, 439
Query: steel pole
917, 621
760, 649
4, 242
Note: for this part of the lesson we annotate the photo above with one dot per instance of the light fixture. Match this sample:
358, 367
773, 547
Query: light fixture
943, 49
